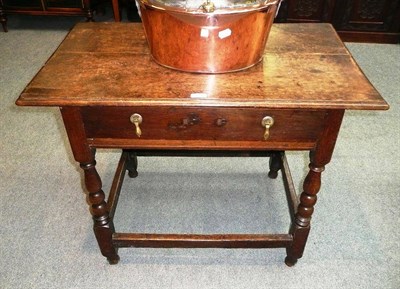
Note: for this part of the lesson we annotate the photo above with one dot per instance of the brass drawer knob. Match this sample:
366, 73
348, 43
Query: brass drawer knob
137, 119
267, 122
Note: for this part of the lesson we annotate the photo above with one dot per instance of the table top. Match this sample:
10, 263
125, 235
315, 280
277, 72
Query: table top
305, 66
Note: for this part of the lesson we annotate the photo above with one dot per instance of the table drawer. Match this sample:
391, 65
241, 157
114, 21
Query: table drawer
203, 123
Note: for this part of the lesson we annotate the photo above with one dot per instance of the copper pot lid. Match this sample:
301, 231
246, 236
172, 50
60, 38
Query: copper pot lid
209, 6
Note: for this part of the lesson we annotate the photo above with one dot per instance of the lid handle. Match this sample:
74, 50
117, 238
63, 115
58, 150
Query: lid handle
208, 6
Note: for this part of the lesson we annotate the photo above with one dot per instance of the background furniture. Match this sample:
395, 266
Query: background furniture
302, 88
354, 20
49, 7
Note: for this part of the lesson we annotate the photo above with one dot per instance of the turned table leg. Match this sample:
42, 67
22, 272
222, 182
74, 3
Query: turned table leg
319, 157
102, 223
301, 226
103, 227
132, 164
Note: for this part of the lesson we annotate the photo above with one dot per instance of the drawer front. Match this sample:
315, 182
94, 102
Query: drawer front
203, 123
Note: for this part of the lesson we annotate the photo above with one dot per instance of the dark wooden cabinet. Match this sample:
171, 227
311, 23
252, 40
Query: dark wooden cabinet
305, 11
354, 20
45, 7
374, 20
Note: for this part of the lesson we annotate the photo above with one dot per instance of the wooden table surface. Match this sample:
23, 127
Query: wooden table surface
304, 66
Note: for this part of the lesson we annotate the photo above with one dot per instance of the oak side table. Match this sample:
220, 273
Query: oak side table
112, 95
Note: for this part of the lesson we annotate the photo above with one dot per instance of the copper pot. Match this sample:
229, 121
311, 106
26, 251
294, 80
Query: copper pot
207, 38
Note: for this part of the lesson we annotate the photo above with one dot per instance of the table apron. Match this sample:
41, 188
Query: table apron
195, 128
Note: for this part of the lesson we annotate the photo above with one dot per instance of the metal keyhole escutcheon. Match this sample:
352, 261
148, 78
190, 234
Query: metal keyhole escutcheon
137, 119
267, 122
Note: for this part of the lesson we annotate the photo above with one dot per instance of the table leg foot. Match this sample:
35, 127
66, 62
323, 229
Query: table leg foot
290, 261
113, 260
272, 175
133, 174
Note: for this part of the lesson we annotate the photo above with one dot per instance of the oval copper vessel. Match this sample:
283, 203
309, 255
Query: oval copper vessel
208, 39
